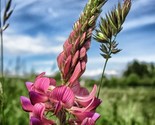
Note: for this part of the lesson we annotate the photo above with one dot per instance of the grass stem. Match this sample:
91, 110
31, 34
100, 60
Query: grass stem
102, 77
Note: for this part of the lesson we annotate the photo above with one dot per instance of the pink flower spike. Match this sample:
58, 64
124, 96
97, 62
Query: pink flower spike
42, 84
26, 104
63, 95
37, 97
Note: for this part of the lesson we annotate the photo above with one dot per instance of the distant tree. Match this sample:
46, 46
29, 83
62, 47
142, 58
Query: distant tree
140, 69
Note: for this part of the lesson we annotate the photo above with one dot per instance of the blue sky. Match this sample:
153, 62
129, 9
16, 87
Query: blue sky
38, 29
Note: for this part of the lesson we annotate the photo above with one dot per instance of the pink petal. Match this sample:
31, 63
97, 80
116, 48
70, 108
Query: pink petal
67, 65
76, 44
93, 104
64, 95
37, 97
48, 122
29, 86
60, 60
83, 92
40, 75
68, 50
77, 90
26, 104
85, 100
72, 34
83, 38
90, 107
82, 52
83, 66
52, 81
76, 73
75, 58
87, 44
38, 110
35, 121
75, 87
38, 115
88, 121
42, 84
57, 107
82, 115
66, 44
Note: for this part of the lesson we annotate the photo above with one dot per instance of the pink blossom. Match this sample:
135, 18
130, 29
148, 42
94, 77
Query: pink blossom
37, 111
62, 96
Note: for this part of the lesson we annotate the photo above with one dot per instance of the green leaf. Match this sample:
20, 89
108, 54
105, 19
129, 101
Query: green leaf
104, 48
8, 5
7, 16
105, 56
111, 21
114, 51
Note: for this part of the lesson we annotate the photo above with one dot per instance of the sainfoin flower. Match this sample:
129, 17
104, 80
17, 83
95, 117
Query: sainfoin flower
69, 102
46, 97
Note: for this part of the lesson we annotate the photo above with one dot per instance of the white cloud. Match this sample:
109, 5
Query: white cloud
98, 72
138, 22
22, 44
141, 3
39, 63
122, 59
61, 39
48, 71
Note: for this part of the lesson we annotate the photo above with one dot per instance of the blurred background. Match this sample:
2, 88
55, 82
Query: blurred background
35, 37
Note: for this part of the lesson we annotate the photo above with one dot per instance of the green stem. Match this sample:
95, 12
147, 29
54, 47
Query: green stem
101, 82
62, 117
2, 65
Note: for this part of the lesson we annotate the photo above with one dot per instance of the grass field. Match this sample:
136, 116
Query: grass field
121, 105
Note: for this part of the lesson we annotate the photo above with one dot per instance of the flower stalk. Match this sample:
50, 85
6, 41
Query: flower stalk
109, 28
4, 17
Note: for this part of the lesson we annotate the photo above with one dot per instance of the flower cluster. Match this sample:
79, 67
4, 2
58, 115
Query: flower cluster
69, 102
47, 98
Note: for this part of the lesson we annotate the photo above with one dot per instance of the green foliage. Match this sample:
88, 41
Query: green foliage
13, 89
127, 106
142, 69
132, 79
121, 105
